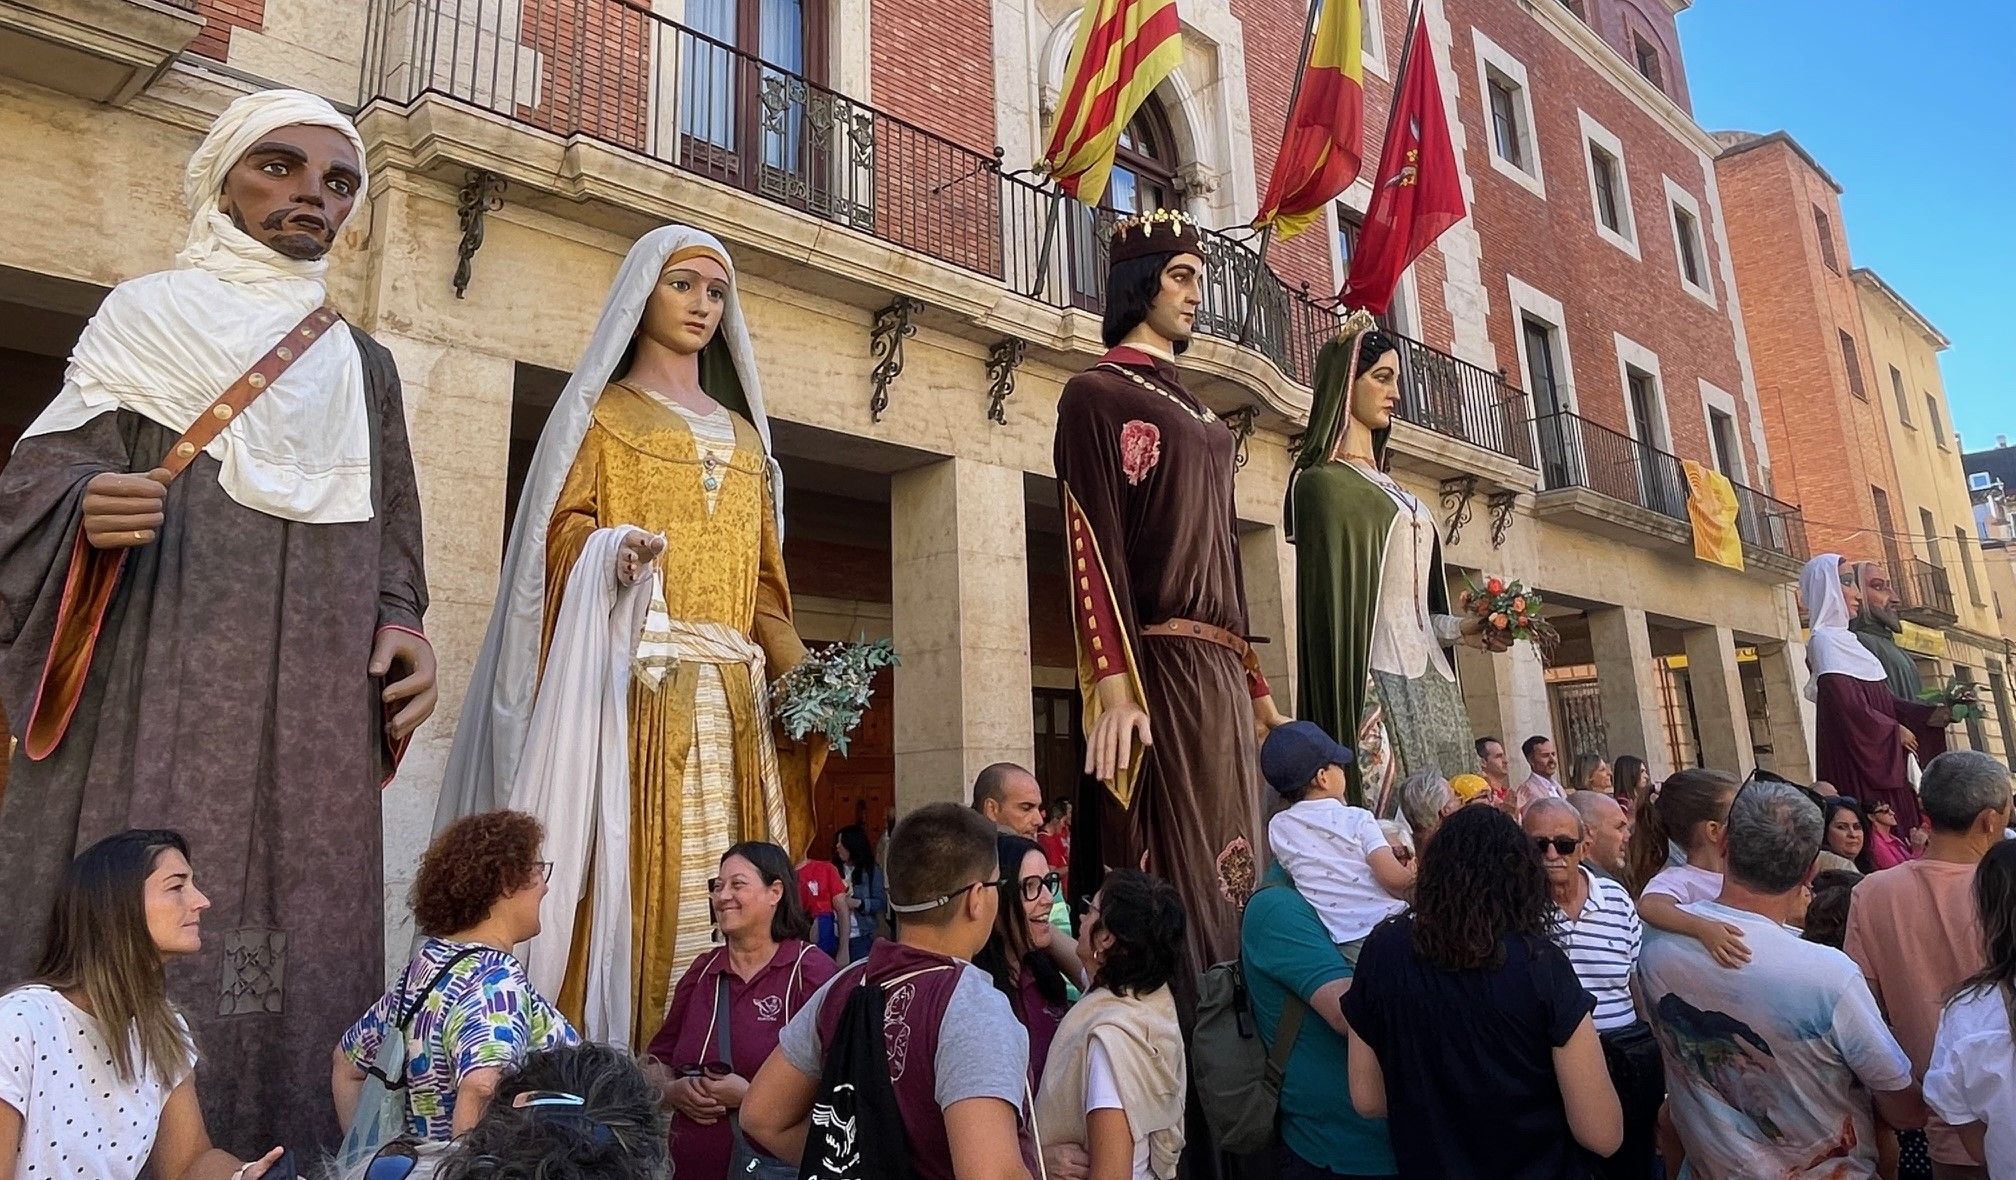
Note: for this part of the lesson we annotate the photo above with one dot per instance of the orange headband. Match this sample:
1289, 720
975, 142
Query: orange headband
689, 253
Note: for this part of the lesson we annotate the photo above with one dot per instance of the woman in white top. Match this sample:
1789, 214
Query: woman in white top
97, 1070
1971, 1081
1113, 1091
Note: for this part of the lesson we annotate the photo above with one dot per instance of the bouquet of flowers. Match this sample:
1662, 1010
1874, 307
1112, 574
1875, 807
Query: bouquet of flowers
1510, 611
829, 689
1958, 698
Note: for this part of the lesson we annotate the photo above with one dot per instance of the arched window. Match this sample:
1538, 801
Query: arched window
1144, 165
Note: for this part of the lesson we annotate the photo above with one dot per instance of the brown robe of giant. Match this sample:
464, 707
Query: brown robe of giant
1856, 746
1151, 535
228, 699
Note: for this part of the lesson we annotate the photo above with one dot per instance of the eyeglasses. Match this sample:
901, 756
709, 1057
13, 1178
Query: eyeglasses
394, 1161
713, 1071
545, 870
1035, 887
1561, 844
919, 907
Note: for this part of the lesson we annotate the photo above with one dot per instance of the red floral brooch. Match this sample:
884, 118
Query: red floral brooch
1140, 449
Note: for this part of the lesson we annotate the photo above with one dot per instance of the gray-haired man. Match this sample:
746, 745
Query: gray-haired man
1770, 1066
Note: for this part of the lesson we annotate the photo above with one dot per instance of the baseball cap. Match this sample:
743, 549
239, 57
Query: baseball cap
1293, 753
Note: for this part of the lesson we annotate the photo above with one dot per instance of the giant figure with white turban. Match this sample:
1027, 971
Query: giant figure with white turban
210, 561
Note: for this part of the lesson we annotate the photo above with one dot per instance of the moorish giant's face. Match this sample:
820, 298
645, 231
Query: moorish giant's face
294, 190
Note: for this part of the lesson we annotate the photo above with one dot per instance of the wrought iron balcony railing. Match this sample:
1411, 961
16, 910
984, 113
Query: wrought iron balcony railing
613, 71
1926, 592
1578, 453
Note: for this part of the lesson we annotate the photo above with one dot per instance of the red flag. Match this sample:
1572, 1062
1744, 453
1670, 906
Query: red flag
1419, 191
1325, 141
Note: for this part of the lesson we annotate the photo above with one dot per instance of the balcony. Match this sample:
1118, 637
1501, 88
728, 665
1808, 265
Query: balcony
1925, 594
613, 74
1628, 489
102, 50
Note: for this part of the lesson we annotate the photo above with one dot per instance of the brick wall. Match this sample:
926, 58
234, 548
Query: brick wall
1552, 244
933, 63
219, 18
1828, 446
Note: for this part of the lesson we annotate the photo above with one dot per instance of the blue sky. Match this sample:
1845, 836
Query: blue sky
1912, 107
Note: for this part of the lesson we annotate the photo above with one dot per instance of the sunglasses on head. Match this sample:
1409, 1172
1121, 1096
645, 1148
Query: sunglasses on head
1561, 844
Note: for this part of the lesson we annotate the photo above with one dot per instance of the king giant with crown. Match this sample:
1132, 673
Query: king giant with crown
1171, 687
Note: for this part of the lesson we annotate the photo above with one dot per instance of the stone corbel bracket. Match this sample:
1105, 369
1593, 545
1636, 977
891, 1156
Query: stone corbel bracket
893, 325
1457, 492
1500, 505
1002, 361
482, 194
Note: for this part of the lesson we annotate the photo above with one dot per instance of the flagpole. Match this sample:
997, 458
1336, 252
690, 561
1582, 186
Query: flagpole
1287, 129
1399, 82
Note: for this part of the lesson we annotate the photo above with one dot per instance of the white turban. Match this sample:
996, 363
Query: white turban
165, 345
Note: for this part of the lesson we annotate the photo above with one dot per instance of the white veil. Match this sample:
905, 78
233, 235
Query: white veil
1832, 647
490, 737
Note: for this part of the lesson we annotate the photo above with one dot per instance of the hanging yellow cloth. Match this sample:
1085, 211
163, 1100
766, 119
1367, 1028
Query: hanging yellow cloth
1711, 507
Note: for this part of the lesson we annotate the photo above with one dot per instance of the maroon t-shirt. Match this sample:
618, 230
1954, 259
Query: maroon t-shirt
1040, 1015
757, 1009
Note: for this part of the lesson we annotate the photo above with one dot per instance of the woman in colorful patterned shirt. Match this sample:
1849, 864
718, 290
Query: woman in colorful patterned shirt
473, 1011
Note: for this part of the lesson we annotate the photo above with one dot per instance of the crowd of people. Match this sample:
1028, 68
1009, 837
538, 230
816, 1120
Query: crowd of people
1711, 974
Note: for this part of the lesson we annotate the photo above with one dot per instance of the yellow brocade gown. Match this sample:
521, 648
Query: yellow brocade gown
700, 779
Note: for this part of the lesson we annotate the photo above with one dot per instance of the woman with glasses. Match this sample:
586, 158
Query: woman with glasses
463, 1003
1018, 953
1113, 1093
1887, 849
729, 1006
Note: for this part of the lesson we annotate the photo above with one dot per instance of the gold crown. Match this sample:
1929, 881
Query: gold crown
1355, 323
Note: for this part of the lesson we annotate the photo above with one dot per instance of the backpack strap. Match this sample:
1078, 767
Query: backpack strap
1286, 1030
721, 1021
412, 1009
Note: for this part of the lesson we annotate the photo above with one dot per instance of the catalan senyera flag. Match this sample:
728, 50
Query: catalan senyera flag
1124, 50
1419, 191
1711, 509
1325, 144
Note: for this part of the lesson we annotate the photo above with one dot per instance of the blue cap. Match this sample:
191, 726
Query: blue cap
1293, 754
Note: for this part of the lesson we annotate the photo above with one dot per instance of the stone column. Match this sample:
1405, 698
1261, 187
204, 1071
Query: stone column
1788, 714
1505, 695
1268, 562
1630, 686
1719, 715
458, 419
960, 618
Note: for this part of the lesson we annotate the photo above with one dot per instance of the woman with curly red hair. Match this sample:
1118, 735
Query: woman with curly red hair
463, 1003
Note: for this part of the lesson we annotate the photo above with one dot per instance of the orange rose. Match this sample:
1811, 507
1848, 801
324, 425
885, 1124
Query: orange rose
1519, 605
1498, 621
1495, 586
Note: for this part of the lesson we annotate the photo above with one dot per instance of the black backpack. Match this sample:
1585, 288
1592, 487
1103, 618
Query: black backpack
856, 1130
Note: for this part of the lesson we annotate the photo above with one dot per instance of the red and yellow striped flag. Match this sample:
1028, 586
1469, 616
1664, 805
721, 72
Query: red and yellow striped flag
1324, 148
1123, 51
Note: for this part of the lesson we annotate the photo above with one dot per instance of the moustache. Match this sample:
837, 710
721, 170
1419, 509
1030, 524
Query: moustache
278, 218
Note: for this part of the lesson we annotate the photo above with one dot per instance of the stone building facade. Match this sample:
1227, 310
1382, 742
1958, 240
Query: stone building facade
917, 303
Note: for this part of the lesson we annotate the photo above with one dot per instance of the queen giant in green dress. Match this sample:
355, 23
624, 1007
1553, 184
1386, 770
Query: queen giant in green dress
1372, 604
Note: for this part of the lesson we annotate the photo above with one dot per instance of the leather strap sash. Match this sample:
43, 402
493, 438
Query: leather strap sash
94, 572
1191, 629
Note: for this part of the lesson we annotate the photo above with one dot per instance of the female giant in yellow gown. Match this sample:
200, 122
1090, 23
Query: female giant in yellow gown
620, 695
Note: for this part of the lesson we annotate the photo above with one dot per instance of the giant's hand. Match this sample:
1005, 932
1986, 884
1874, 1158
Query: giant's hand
1109, 748
1909, 739
411, 658
124, 511
635, 556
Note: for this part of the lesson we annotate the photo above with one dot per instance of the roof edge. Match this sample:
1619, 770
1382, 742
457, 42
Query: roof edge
1735, 143
1867, 277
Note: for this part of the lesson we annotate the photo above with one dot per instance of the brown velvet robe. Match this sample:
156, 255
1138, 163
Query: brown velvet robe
1152, 536
228, 699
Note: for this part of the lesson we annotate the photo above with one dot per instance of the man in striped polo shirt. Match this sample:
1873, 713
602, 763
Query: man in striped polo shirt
1596, 925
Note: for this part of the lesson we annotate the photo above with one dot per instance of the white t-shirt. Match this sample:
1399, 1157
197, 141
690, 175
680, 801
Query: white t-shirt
79, 1119
1325, 845
1685, 884
1102, 1092
1972, 1077
1769, 1065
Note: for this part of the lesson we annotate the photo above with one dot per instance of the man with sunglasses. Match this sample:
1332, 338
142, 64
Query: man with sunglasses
1596, 925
